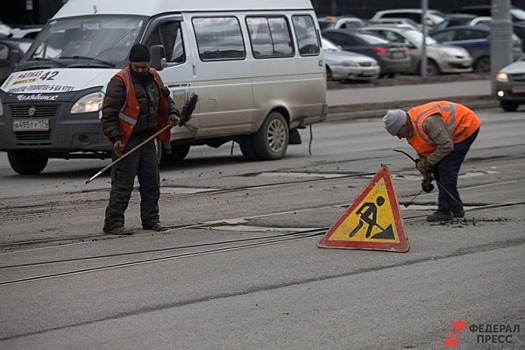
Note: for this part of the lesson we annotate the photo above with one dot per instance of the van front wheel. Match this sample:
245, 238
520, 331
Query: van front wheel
27, 162
271, 140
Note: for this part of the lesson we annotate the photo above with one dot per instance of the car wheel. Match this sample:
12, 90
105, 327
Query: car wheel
271, 140
509, 106
328, 74
482, 65
432, 68
27, 162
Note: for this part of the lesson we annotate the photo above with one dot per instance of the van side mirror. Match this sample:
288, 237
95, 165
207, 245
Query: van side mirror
158, 57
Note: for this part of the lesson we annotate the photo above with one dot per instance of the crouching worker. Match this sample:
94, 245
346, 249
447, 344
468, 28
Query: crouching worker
136, 105
441, 133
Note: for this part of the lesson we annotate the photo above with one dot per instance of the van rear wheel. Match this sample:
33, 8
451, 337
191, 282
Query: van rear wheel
271, 140
27, 162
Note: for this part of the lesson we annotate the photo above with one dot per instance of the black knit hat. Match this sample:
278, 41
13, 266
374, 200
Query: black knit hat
139, 53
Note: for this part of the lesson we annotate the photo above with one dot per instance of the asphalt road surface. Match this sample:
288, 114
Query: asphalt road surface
240, 267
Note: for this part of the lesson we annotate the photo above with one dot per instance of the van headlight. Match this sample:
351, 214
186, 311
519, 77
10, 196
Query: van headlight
502, 78
89, 103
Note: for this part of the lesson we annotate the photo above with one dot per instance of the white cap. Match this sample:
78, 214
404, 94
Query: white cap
394, 120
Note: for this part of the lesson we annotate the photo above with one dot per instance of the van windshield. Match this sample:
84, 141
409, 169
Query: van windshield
95, 40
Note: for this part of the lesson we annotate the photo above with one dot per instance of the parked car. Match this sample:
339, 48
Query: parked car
433, 17
4, 30
392, 57
440, 58
28, 32
11, 52
476, 40
342, 22
516, 14
455, 19
472, 20
398, 22
510, 85
346, 65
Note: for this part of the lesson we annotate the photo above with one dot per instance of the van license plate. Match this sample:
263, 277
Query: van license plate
31, 125
518, 89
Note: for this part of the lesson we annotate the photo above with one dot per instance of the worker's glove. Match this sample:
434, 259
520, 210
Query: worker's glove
118, 148
423, 167
426, 183
173, 120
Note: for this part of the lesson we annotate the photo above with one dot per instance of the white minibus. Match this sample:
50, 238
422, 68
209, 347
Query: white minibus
257, 67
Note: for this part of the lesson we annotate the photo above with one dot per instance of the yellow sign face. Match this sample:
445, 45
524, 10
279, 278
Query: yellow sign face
372, 222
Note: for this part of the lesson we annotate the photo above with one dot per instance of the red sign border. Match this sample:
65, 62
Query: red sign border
403, 245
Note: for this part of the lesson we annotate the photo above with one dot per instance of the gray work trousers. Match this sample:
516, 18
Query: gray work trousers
143, 164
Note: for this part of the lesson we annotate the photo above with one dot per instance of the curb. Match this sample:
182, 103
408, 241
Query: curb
377, 110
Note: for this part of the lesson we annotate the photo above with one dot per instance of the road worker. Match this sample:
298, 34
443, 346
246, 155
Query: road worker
441, 132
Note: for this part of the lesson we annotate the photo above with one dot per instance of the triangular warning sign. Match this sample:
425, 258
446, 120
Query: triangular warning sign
372, 222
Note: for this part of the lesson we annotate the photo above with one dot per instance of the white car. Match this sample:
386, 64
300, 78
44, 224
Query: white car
510, 85
347, 65
433, 17
440, 58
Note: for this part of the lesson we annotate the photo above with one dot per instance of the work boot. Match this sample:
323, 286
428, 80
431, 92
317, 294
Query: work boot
121, 230
458, 210
156, 227
439, 215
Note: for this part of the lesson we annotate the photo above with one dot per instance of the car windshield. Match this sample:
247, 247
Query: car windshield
416, 37
104, 39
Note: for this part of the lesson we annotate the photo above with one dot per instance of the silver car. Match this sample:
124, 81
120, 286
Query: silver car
347, 65
510, 85
441, 58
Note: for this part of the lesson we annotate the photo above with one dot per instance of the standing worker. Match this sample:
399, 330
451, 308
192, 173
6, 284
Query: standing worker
441, 132
136, 105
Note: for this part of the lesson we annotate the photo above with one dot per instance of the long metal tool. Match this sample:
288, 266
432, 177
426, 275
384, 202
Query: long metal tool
187, 111
128, 153
438, 183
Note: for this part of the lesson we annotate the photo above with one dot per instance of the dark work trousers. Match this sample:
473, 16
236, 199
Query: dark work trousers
143, 164
446, 173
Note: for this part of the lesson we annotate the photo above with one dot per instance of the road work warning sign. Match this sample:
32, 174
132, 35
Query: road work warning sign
372, 222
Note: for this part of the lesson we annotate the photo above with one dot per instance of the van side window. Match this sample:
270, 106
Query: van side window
169, 35
219, 38
307, 38
270, 37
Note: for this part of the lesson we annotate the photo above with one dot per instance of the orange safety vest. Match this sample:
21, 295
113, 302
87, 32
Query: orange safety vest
460, 121
130, 111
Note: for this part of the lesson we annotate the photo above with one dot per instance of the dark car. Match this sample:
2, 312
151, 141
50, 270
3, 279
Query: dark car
510, 85
516, 14
392, 57
476, 40
11, 52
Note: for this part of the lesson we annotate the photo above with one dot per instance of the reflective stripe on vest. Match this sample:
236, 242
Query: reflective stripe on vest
121, 115
433, 110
